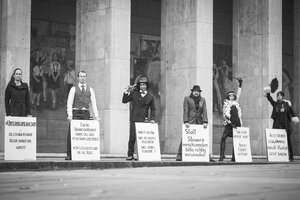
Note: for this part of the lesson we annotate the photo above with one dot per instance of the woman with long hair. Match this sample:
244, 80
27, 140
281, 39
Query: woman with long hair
17, 98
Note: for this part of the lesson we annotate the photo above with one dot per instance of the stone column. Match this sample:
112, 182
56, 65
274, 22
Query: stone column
103, 51
186, 48
296, 100
257, 56
15, 20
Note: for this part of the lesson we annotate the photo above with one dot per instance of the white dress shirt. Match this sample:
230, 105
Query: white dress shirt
71, 100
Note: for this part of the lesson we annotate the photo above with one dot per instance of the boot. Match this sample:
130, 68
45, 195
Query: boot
233, 157
222, 151
291, 156
179, 153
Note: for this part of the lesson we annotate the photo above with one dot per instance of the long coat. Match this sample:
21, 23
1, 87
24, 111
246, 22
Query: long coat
17, 100
282, 114
193, 115
140, 106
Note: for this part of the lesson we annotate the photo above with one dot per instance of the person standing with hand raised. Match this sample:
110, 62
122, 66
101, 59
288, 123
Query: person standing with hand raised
232, 118
142, 103
282, 116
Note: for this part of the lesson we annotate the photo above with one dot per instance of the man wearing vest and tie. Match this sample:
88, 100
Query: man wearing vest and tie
80, 98
141, 101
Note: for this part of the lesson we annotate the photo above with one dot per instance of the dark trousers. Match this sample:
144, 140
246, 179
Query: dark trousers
132, 138
179, 152
77, 114
228, 132
290, 147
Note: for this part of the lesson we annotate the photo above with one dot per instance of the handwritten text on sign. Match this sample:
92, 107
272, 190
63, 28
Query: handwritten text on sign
147, 142
195, 143
85, 140
277, 145
241, 144
20, 138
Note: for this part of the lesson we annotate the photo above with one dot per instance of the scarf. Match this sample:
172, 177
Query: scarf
227, 108
196, 100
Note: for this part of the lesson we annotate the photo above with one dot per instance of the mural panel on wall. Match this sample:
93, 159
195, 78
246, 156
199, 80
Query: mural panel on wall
145, 60
223, 80
52, 67
287, 79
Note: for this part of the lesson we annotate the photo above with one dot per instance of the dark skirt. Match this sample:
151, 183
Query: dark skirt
52, 84
37, 87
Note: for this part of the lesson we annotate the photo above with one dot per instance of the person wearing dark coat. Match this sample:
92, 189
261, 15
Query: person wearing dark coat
194, 112
141, 103
17, 98
282, 116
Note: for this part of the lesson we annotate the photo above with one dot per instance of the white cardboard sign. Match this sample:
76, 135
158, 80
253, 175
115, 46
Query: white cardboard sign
241, 144
147, 141
20, 138
85, 140
277, 146
195, 143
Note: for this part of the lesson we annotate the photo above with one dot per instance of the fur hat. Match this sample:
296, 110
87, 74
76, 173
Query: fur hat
197, 88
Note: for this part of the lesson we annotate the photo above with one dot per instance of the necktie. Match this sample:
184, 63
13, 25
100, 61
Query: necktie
82, 89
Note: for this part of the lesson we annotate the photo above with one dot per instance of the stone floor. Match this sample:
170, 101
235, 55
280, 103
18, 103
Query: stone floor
264, 181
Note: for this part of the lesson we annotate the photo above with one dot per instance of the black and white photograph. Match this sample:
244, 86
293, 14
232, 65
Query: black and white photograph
149, 99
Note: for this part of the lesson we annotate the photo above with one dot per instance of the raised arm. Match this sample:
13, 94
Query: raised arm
270, 99
239, 91
127, 97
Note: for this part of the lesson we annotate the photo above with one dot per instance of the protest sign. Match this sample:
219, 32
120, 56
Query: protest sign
147, 141
195, 143
241, 144
85, 140
20, 138
277, 147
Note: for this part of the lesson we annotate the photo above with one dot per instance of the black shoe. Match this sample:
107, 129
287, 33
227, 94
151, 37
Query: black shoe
130, 158
232, 159
291, 159
222, 157
178, 158
68, 157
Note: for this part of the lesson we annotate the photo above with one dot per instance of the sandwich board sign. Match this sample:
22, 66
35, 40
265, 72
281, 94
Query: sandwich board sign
85, 140
277, 147
195, 143
20, 138
241, 144
147, 141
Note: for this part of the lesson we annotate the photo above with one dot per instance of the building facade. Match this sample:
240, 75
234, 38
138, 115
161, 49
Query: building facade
174, 42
